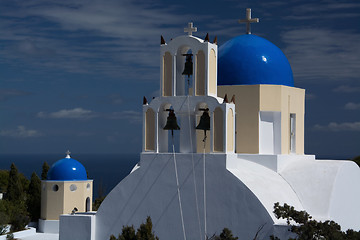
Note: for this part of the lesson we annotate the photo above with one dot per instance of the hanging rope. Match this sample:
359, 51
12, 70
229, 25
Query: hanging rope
205, 230
178, 188
193, 170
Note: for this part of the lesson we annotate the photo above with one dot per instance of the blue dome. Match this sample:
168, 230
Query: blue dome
67, 169
250, 60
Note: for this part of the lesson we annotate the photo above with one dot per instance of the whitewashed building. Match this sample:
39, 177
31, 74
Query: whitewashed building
193, 186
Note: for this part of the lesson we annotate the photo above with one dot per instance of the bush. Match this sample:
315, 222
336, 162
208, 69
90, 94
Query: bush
144, 232
306, 228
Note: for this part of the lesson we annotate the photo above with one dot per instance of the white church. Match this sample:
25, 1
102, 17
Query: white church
222, 143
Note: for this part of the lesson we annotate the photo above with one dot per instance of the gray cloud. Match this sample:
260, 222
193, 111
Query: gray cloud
84, 114
310, 96
339, 127
20, 132
5, 94
346, 89
352, 106
323, 54
76, 113
120, 36
132, 116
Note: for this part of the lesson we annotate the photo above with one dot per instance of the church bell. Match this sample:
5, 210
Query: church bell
171, 123
188, 69
204, 123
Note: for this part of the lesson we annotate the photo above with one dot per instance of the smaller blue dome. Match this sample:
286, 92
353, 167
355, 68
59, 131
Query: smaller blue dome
249, 60
67, 169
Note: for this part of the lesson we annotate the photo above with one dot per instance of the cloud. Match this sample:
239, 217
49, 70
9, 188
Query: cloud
323, 54
120, 35
310, 96
5, 94
323, 10
20, 132
76, 113
83, 114
352, 106
132, 116
347, 89
339, 127
115, 99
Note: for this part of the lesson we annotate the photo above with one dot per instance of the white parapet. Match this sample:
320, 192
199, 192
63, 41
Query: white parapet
82, 226
48, 226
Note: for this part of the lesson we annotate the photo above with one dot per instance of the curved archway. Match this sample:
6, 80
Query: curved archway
167, 75
149, 130
200, 74
87, 205
218, 132
183, 83
230, 131
212, 72
200, 134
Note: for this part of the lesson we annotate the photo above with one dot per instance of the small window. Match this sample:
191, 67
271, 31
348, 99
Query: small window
88, 186
55, 188
73, 187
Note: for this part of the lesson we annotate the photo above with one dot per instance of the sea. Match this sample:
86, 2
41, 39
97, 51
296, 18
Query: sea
107, 170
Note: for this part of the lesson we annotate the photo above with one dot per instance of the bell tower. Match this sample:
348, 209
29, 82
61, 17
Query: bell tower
188, 114
188, 66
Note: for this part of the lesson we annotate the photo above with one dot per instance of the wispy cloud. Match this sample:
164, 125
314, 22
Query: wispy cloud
76, 113
20, 132
352, 106
132, 116
339, 127
323, 10
119, 35
5, 94
84, 114
310, 96
347, 89
323, 54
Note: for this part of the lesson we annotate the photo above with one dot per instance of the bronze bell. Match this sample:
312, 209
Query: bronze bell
188, 70
204, 123
171, 123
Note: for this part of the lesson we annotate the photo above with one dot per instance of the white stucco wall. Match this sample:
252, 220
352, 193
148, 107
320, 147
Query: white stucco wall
151, 191
327, 189
241, 190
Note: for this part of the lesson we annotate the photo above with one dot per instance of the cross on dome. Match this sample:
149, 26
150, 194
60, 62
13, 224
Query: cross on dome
190, 29
68, 154
248, 20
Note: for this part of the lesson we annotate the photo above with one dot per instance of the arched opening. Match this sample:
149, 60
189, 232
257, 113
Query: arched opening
212, 72
184, 82
173, 137
167, 75
150, 130
230, 131
200, 74
200, 134
218, 138
87, 205
162, 134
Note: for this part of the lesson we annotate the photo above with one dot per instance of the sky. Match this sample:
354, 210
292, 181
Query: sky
73, 73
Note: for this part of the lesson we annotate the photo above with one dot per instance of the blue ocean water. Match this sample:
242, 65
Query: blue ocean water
107, 170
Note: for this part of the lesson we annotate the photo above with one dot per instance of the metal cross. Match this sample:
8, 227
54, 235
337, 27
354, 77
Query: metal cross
248, 20
68, 154
190, 29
